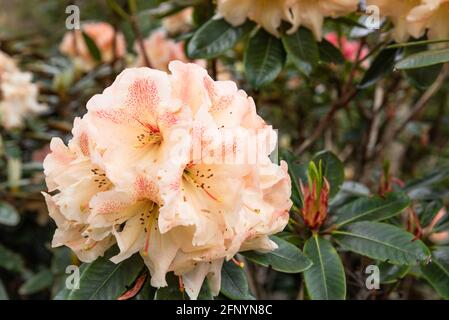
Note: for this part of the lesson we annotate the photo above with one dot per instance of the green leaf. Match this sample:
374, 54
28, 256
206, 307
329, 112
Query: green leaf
8, 214
205, 293
147, 292
382, 64
105, 280
286, 258
264, 58
382, 242
437, 176
115, 7
302, 49
10, 260
233, 282
391, 273
37, 282
421, 77
325, 280
333, 170
424, 59
92, 47
372, 208
330, 53
3, 293
171, 291
437, 271
427, 210
215, 37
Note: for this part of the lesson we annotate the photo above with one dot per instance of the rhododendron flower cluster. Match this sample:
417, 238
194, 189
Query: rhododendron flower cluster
173, 166
18, 95
414, 17
270, 13
110, 43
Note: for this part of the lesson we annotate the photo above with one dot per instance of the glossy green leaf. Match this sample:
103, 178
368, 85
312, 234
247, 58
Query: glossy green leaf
92, 47
302, 50
215, 37
391, 273
382, 64
37, 282
234, 284
372, 208
424, 59
264, 58
437, 271
286, 258
382, 241
427, 210
421, 77
330, 53
297, 172
105, 280
325, 280
8, 214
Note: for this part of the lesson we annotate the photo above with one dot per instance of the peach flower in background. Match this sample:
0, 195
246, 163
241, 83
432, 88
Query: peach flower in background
349, 48
160, 50
178, 22
132, 174
270, 13
105, 38
432, 15
18, 95
311, 13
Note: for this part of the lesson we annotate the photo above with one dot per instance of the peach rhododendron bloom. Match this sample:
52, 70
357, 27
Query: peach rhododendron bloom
270, 13
105, 38
18, 95
165, 165
178, 22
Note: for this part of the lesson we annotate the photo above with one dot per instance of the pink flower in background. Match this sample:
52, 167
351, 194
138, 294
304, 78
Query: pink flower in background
132, 175
178, 22
349, 48
105, 38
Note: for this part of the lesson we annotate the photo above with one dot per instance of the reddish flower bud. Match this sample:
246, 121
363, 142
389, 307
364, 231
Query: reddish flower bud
315, 204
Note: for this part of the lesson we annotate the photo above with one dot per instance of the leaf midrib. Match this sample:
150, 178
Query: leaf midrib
321, 267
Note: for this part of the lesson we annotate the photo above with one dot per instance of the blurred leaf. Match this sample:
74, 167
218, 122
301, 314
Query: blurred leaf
325, 280
427, 210
330, 53
297, 172
8, 214
424, 59
10, 260
302, 49
117, 9
294, 239
215, 37
391, 273
333, 170
92, 47
234, 284
37, 282
382, 241
171, 291
286, 258
382, 64
437, 271
3, 293
105, 280
372, 208
435, 177
264, 58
